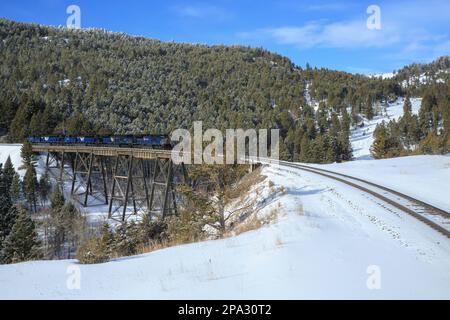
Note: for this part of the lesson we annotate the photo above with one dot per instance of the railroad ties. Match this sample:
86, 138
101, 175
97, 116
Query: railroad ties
130, 181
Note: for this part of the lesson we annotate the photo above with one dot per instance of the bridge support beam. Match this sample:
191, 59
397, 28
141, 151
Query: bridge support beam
130, 181
57, 160
85, 167
128, 185
161, 187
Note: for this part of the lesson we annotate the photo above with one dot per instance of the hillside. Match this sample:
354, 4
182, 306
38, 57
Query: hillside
60, 81
297, 225
361, 137
419, 75
323, 244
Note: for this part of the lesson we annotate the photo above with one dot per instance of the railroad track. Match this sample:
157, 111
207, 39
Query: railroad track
416, 208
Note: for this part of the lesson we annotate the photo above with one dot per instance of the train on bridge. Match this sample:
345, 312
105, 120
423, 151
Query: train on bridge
130, 141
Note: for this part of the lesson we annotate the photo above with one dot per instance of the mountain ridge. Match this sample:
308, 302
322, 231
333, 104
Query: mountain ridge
56, 80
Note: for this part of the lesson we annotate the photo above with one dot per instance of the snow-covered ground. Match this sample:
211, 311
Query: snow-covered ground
425, 178
387, 75
361, 138
13, 151
329, 241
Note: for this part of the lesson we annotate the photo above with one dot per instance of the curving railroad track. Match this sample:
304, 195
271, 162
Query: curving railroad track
434, 217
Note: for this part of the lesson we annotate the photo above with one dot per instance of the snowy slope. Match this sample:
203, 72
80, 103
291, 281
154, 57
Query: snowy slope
426, 178
362, 138
327, 237
12, 150
387, 75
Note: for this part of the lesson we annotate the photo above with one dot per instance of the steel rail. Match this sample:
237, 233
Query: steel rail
329, 174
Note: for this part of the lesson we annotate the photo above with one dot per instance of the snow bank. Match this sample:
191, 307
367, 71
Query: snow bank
426, 178
325, 244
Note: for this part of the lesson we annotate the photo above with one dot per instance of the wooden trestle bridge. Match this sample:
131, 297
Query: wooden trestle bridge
130, 181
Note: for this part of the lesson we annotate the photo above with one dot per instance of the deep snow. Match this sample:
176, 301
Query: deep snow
326, 239
425, 178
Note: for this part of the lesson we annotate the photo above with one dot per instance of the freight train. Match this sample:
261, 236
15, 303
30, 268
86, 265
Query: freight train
145, 141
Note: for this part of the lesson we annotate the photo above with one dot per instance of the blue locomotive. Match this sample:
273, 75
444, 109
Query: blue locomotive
145, 141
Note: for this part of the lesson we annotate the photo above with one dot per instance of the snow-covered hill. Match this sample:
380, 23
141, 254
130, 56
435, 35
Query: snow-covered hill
329, 241
361, 138
387, 75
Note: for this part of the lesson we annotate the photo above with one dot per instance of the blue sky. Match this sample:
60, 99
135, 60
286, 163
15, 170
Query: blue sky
330, 34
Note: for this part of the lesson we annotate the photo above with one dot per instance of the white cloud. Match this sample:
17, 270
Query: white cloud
412, 27
346, 34
201, 11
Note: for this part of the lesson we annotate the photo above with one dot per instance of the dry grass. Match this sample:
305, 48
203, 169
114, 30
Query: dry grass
249, 224
246, 183
300, 210
254, 222
278, 242
158, 245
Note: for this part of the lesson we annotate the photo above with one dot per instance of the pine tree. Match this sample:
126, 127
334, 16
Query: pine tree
57, 200
345, 147
318, 151
380, 144
368, 108
7, 221
14, 190
97, 250
151, 229
125, 243
28, 157
44, 187
19, 125
70, 227
407, 107
22, 243
211, 202
426, 118
8, 172
107, 238
3, 185
30, 185
5, 206
432, 144
305, 149
36, 124
345, 122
